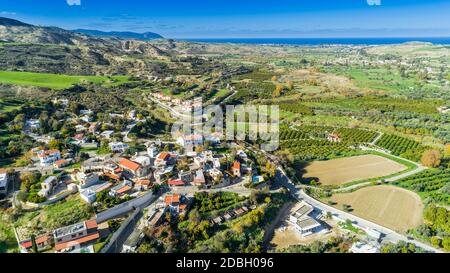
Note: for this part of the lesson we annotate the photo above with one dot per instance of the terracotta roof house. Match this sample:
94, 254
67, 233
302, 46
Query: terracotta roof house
76, 236
236, 168
175, 183
132, 167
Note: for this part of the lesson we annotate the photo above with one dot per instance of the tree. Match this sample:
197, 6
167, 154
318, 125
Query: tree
447, 150
274, 78
431, 158
278, 90
290, 85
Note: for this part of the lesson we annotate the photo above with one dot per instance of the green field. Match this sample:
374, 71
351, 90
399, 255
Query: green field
56, 81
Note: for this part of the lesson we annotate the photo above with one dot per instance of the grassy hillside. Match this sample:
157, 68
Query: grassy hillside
55, 81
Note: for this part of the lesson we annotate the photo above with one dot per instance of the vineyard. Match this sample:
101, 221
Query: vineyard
310, 142
309, 149
397, 145
296, 108
433, 184
347, 135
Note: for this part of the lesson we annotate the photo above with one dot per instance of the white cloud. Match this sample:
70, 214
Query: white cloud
7, 13
374, 2
73, 2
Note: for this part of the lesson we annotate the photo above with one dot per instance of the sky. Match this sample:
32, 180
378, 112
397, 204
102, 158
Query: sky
241, 18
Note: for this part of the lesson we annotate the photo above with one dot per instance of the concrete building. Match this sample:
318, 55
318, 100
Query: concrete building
302, 221
88, 195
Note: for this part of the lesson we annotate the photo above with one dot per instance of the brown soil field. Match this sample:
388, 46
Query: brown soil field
389, 206
344, 170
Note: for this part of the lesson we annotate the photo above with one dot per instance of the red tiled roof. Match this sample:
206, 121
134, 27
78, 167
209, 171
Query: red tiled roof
172, 198
124, 189
164, 156
85, 239
91, 223
237, 165
183, 206
61, 162
128, 164
177, 182
144, 182
48, 152
40, 239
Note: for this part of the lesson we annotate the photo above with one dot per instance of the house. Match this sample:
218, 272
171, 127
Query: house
107, 134
47, 186
215, 174
162, 159
3, 182
190, 140
48, 157
162, 174
302, 221
87, 180
93, 127
175, 183
185, 176
217, 220
236, 169
88, 195
75, 236
61, 163
33, 124
214, 138
333, 137
132, 168
121, 189
241, 154
145, 163
199, 179
42, 242
87, 118
143, 185
152, 151
118, 147
176, 203
86, 112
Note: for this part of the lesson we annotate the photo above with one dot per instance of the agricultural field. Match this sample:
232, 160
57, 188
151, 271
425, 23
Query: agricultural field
389, 206
345, 170
55, 81
432, 184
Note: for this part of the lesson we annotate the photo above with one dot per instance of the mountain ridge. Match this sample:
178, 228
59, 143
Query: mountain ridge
146, 36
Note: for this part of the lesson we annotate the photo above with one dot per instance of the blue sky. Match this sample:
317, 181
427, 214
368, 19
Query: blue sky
241, 18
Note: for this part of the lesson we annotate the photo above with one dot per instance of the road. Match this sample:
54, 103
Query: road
121, 209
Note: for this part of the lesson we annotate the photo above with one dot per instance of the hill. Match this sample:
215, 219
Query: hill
146, 36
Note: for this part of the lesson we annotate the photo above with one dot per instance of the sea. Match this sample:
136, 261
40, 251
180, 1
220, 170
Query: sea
323, 41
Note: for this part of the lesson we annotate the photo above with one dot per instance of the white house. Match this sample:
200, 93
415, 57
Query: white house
48, 157
107, 134
3, 183
87, 180
47, 186
118, 147
302, 221
88, 196
190, 140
